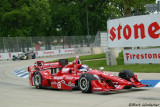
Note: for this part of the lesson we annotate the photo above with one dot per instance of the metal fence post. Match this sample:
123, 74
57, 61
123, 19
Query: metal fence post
17, 44
31, 43
3, 45
44, 43
74, 42
63, 41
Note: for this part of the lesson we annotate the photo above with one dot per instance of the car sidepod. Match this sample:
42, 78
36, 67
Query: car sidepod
67, 82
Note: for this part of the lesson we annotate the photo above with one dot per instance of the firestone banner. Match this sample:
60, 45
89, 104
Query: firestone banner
134, 31
142, 56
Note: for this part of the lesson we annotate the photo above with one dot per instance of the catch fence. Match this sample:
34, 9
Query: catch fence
25, 44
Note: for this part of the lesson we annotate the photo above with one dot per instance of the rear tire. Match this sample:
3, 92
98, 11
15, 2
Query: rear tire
85, 82
14, 58
38, 80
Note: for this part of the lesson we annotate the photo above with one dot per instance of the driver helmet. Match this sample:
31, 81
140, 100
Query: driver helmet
84, 68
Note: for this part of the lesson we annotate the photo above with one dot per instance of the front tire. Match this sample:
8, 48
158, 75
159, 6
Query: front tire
85, 82
126, 74
38, 80
34, 56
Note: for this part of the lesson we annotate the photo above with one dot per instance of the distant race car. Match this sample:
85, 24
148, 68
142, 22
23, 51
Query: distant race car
24, 56
61, 75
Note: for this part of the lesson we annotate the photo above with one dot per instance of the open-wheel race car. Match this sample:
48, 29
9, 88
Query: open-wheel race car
24, 56
61, 75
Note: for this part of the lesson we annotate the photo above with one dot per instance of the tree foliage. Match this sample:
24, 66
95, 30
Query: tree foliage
24, 17
134, 7
63, 17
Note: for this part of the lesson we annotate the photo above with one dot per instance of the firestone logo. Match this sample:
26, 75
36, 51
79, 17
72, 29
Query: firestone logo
126, 31
130, 56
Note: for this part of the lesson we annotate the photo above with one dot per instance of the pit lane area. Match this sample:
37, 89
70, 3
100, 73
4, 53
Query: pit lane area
16, 92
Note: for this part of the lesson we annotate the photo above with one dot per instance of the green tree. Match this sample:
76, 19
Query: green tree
24, 17
134, 7
99, 11
65, 17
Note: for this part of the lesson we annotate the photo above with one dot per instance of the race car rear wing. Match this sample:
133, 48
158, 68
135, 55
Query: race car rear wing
39, 65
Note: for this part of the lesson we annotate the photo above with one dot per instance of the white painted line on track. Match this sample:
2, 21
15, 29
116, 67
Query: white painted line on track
21, 73
158, 85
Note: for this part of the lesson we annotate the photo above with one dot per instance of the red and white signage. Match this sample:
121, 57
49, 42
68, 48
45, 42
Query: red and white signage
142, 56
39, 53
134, 31
47, 53
0, 55
55, 52
8, 55
66, 51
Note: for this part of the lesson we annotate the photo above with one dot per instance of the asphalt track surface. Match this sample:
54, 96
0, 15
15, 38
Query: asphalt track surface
16, 92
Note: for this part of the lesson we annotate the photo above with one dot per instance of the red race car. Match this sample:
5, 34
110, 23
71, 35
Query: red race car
61, 75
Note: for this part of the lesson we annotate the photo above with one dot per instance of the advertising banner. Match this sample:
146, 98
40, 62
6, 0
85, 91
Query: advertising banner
55, 52
134, 31
66, 51
142, 56
39, 53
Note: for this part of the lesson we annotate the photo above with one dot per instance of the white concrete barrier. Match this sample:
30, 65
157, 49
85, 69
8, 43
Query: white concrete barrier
83, 50
97, 50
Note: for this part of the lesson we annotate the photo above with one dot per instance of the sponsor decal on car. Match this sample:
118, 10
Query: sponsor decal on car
69, 78
71, 84
73, 72
65, 70
76, 78
115, 82
54, 82
62, 81
59, 85
105, 73
97, 88
78, 73
53, 63
58, 78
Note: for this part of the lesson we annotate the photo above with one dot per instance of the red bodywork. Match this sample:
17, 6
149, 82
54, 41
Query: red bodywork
68, 77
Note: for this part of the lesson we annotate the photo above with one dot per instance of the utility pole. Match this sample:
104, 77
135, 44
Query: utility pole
88, 36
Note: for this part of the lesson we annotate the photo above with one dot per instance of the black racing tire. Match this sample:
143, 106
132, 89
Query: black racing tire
125, 74
84, 82
37, 80
27, 57
34, 56
14, 58
21, 58
127, 87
